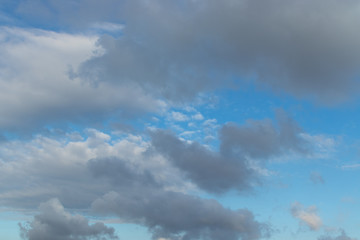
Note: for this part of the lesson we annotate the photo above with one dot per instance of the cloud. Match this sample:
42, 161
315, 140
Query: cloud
37, 82
42, 168
210, 170
122, 178
342, 236
187, 50
262, 139
232, 166
178, 117
138, 198
307, 216
53, 222
175, 215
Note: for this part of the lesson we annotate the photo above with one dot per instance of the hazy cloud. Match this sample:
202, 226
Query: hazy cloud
342, 236
307, 216
316, 178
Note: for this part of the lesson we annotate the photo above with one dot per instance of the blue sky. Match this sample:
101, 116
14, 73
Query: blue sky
179, 120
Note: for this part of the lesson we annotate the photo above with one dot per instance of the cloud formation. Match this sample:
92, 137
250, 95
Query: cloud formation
138, 198
53, 222
178, 216
231, 167
136, 184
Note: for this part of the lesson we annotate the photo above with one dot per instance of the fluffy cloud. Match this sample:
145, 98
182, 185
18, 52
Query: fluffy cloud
44, 168
116, 177
38, 85
54, 222
307, 216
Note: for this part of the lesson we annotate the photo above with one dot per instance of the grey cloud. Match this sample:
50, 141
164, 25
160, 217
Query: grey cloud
263, 139
185, 47
137, 183
180, 216
77, 171
209, 170
231, 168
140, 199
342, 236
121, 173
179, 48
53, 222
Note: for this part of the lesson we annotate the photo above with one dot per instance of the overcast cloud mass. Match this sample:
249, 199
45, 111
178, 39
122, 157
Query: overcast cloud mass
179, 120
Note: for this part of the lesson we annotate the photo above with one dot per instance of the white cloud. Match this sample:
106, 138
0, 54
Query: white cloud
198, 116
38, 83
178, 117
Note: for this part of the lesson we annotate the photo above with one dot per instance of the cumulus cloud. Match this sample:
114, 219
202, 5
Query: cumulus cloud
43, 168
53, 222
116, 177
307, 216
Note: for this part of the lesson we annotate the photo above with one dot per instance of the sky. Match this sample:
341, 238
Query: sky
179, 120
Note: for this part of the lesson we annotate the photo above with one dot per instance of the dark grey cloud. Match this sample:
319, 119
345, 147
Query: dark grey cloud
53, 222
263, 139
307, 48
139, 199
121, 173
231, 168
180, 216
342, 236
